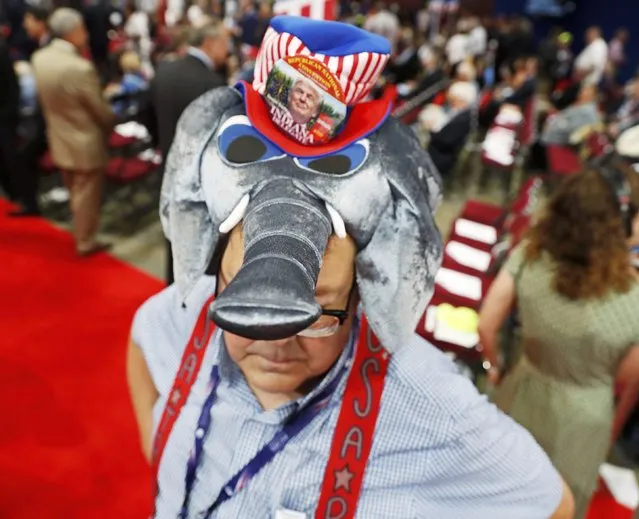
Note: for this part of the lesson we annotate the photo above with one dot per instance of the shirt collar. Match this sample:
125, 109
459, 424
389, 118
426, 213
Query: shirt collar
231, 373
64, 44
199, 54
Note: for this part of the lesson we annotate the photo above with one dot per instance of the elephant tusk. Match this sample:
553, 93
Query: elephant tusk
339, 228
236, 215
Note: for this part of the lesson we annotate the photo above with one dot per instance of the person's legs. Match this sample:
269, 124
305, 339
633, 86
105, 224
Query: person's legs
85, 189
26, 180
8, 157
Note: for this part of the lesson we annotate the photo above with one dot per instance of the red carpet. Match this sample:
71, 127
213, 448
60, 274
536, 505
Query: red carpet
68, 440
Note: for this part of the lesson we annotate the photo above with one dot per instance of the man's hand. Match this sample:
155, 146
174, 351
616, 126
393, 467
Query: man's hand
566, 508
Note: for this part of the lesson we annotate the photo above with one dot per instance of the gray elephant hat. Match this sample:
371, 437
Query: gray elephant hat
296, 156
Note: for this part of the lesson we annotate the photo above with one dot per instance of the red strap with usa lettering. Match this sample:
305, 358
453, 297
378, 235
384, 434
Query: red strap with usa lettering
186, 375
353, 436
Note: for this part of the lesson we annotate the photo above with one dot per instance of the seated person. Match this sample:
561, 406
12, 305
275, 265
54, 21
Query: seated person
583, 112
457, 48
467, 72
566, 96
517, 88
131, 81
449, 136
464, 72
431, 74
405, 64
628, 114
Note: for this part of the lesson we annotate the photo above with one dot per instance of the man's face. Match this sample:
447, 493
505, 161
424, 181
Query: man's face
34, 28
303, 102
283, 368
218, 50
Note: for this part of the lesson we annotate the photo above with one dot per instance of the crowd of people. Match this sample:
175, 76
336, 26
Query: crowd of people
69, 76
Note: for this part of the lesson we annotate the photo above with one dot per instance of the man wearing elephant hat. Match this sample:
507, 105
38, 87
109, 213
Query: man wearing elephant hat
280, 376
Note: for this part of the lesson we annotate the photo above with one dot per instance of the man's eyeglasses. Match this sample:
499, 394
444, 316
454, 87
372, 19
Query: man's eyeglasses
327, 324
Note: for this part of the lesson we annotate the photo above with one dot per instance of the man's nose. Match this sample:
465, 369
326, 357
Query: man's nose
281, 342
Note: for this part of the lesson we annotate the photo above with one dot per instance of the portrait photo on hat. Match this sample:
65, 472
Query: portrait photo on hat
305, 100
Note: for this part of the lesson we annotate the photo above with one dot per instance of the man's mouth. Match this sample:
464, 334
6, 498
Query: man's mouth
278, 358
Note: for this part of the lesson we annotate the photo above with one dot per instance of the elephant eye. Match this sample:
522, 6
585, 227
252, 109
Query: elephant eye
245, 149
239, 143
345, 161
333, 164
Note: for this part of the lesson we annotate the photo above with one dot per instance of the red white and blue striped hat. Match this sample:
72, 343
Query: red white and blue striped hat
354, 58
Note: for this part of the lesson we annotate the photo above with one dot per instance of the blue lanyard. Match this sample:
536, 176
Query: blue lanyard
294, 425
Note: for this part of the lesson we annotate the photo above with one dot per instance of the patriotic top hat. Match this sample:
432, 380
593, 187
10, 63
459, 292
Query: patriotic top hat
311, 79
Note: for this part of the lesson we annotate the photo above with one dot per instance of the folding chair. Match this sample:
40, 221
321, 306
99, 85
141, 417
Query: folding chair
499, 148
597, 144
473, 254
507, 143
408, 111
132, 173
473, 144
482, 225
562, 160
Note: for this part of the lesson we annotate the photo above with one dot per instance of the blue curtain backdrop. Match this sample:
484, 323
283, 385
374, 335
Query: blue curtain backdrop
607, 14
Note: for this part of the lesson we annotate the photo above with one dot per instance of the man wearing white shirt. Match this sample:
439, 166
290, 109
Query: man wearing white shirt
591, 63
477, 38
457, 48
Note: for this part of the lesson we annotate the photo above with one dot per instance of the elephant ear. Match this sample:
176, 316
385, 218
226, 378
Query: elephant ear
396, 269
185, 216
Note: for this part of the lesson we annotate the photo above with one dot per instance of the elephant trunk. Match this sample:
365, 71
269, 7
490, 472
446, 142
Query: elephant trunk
272, 297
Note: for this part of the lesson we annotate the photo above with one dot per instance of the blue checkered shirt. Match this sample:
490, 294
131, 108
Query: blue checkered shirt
441, 451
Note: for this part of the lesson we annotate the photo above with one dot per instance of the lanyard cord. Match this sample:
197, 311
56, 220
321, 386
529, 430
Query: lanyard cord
293, 426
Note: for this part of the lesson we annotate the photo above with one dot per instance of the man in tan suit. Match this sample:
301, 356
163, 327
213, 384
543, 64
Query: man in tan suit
78, 119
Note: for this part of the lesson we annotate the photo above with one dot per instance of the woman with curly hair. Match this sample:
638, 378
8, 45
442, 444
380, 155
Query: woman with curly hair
578, 298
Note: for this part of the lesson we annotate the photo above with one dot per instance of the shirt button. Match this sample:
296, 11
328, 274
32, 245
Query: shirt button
199, 433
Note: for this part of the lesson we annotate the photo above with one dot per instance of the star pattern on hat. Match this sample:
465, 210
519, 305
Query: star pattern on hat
343, 479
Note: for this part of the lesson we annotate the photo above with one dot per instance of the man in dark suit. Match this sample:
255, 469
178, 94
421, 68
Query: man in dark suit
97, 18
9, 118
177, 83
447, 142
431, 75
